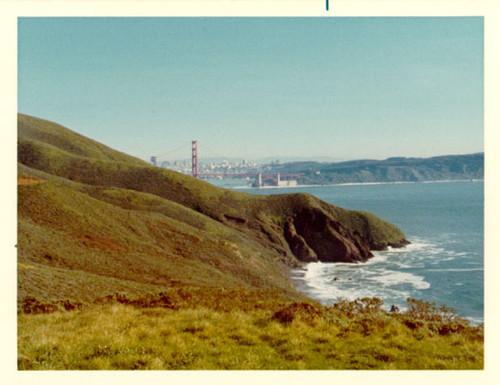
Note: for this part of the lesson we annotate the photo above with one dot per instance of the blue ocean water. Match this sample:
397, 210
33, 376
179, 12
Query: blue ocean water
444, 263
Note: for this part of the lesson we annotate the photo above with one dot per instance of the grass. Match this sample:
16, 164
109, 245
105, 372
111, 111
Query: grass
67, 238
44, 131
243, 333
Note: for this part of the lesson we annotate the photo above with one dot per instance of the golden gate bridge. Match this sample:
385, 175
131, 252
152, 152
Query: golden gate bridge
260, 178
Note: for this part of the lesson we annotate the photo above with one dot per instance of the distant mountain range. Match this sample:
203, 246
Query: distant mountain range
439, 168
296, 159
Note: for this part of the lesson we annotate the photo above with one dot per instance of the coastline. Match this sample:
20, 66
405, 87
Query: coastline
311, 287
354, 184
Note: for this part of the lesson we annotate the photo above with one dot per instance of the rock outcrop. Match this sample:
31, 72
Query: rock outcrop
314, 236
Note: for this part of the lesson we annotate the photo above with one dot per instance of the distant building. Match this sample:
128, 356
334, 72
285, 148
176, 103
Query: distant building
287, 183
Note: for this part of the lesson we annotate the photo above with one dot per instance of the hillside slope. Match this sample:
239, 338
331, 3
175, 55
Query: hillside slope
98, 220
439, 168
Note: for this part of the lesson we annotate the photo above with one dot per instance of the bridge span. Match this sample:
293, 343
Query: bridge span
260, 178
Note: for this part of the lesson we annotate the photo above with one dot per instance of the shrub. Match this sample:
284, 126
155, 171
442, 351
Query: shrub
31, 305
147, 301
442, 320
298, 310
428, 311
359, 306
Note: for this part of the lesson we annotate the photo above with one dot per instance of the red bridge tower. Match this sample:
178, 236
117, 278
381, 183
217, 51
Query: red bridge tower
194, 158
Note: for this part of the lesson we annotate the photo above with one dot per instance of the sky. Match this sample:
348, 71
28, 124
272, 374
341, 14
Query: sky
344, 88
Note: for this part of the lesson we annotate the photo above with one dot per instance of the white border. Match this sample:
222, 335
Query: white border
10, 10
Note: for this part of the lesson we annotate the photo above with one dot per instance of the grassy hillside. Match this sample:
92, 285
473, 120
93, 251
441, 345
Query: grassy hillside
63, 231
81, 240
44, 131
164, 271
276, 222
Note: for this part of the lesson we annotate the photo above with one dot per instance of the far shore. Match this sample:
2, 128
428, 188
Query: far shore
353, 184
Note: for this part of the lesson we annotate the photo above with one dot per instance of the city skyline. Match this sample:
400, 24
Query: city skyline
251, 88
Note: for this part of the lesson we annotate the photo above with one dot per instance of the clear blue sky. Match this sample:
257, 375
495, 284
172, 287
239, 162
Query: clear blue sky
347, 88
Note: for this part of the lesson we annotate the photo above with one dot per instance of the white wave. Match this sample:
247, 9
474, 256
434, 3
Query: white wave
319, 283
317, 271
387, 296
406, 265
418, 243
391, 250
459, 254
457, 270
454, 254
476, 321
411, 248
391, 278
378, 257
434, 251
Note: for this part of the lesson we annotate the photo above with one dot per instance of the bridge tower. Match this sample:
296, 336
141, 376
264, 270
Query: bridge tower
194, 158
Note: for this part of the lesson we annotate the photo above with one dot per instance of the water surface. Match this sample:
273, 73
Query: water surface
444, 263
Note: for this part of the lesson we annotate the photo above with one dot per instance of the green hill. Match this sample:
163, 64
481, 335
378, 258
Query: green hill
99, 220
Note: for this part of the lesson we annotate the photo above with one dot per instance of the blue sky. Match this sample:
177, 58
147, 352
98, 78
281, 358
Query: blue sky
346, 88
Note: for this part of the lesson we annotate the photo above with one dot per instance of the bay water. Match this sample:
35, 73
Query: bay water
443, 264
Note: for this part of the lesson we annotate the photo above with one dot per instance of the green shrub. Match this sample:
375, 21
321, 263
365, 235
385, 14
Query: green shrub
298, 310
359, 306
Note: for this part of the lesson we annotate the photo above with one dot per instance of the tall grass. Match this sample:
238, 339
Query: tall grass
277, 335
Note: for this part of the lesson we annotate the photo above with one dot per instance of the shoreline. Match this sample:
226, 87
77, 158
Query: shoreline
354, 184
306, 286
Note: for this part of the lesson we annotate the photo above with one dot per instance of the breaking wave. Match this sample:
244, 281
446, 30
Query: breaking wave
392, 275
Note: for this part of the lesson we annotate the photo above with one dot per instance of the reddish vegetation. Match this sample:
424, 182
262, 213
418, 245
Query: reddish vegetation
27, 180
102, 243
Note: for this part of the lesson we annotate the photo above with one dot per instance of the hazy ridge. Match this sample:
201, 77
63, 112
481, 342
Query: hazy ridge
399, 169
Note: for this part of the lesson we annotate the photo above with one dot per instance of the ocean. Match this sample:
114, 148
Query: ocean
443, 264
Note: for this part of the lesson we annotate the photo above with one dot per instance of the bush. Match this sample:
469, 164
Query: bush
427, 311
300, 310
360, 306
31, 305
442, 320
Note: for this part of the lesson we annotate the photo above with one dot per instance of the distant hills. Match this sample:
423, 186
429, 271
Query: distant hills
93, 221
439, 168
291, 159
